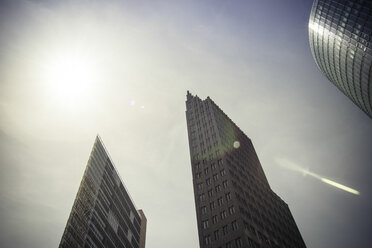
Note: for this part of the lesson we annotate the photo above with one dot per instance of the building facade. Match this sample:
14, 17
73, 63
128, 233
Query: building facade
235, 206
340, 34
103, 213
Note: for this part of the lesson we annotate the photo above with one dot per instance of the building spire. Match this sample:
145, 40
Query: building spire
189, 95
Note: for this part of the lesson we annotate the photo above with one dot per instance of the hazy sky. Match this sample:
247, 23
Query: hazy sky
72, 69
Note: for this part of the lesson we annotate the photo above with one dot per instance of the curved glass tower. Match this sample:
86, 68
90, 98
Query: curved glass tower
340, 40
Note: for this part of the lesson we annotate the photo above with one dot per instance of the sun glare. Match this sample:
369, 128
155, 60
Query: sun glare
70, 78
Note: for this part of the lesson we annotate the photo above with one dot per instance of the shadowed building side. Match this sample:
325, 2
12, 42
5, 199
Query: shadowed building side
340, 34
103, 213
235, 206
143, 229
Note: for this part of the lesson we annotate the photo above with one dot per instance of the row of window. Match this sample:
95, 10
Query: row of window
208, 182
194, 135
206, 172
219, 200
215, 219
212, 204
200, 122
203, 154
213, 165
238, 242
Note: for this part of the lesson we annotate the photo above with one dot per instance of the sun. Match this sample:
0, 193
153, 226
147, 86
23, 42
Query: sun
70, 78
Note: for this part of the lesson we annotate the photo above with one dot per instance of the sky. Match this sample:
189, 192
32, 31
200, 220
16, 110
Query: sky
70, 70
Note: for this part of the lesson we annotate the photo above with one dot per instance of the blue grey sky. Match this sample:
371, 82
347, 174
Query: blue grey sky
135, 60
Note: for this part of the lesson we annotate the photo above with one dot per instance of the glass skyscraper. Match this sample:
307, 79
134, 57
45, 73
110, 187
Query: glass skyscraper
235, 206
103, 214
340, 40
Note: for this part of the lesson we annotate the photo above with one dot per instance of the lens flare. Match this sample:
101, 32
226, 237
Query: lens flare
292, 166
340, 186
236, 144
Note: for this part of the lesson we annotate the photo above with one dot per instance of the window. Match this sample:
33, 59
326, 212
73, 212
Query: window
224, 184
225, 230
213, 166
210, 193
206, 171
203, 210
197, 166
210, 157
212, 205
220, 162
207, 240
231, 210
234, 225
198, 175
202, 197
214, 219
252, 243
228, 245
200, 186
251, 228
215, 177
195, 149
223, 172
262, 237
205, 224
228, 196
223, 215
218, 188
216, 235
239, 242
220, 201
208, 181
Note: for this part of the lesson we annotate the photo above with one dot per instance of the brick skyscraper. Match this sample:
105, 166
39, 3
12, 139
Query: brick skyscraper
235, 206
103, 214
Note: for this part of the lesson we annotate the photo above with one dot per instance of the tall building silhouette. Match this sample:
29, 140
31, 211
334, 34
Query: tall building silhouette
235, 206
103, 214
340, 34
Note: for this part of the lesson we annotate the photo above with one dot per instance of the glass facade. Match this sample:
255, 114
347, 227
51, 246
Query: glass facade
340, 40
103, 214
235, 206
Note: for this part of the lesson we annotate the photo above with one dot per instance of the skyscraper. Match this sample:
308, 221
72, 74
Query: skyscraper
340, 34
235, 206
103, 214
